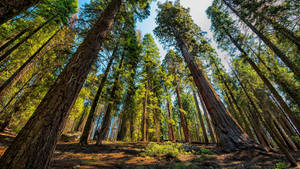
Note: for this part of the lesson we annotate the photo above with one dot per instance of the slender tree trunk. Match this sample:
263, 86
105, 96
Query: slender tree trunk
24, 68
282, 30
267, 83
157, 127
145, 113
88, 125
10, 9
34, 145
183, 121
8, 52
278, 139
210, 127
11, 41
18, 92
230, 134
271, 45
108, 115
170, 128
200, 118
81, 120
294, 94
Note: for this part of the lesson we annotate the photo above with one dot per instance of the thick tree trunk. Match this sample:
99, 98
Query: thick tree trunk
230, 134
34, 145
271, 45
10, 9
108, 115
200, 118
11, 41
25, 67
88, 125
8, 52
183, 121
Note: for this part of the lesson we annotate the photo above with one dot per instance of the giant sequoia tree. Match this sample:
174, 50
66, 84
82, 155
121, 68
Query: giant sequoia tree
174, 27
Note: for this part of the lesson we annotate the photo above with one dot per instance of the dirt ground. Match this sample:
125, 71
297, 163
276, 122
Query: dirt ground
120, 155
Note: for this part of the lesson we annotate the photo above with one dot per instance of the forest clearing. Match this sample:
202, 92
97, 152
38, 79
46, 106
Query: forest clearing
140, 84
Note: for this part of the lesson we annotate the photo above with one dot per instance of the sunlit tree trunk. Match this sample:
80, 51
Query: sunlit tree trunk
35, 143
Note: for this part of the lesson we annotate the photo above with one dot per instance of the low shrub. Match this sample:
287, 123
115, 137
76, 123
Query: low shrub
168, 149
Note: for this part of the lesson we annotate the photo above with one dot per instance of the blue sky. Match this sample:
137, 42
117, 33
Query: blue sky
197, 11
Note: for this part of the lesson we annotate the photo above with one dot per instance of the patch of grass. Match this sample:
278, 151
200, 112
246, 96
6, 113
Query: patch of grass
296, 139
168, 149
206, 151
281, 165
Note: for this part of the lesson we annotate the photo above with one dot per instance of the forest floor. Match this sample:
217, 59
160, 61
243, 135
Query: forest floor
121, 155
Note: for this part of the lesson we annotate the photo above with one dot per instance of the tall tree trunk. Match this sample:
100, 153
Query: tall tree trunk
271, 45
4, 46
10, 9
200, 118
145, 113
108, 115
88, 125
267, 83
25, 67
8, 52
230, 134
183, 121
170, 125
210, 127
34, 145
82, 117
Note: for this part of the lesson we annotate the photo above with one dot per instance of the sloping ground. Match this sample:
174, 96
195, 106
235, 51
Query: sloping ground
127, 155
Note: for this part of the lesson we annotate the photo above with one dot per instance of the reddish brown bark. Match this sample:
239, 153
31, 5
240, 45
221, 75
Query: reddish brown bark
34, 145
